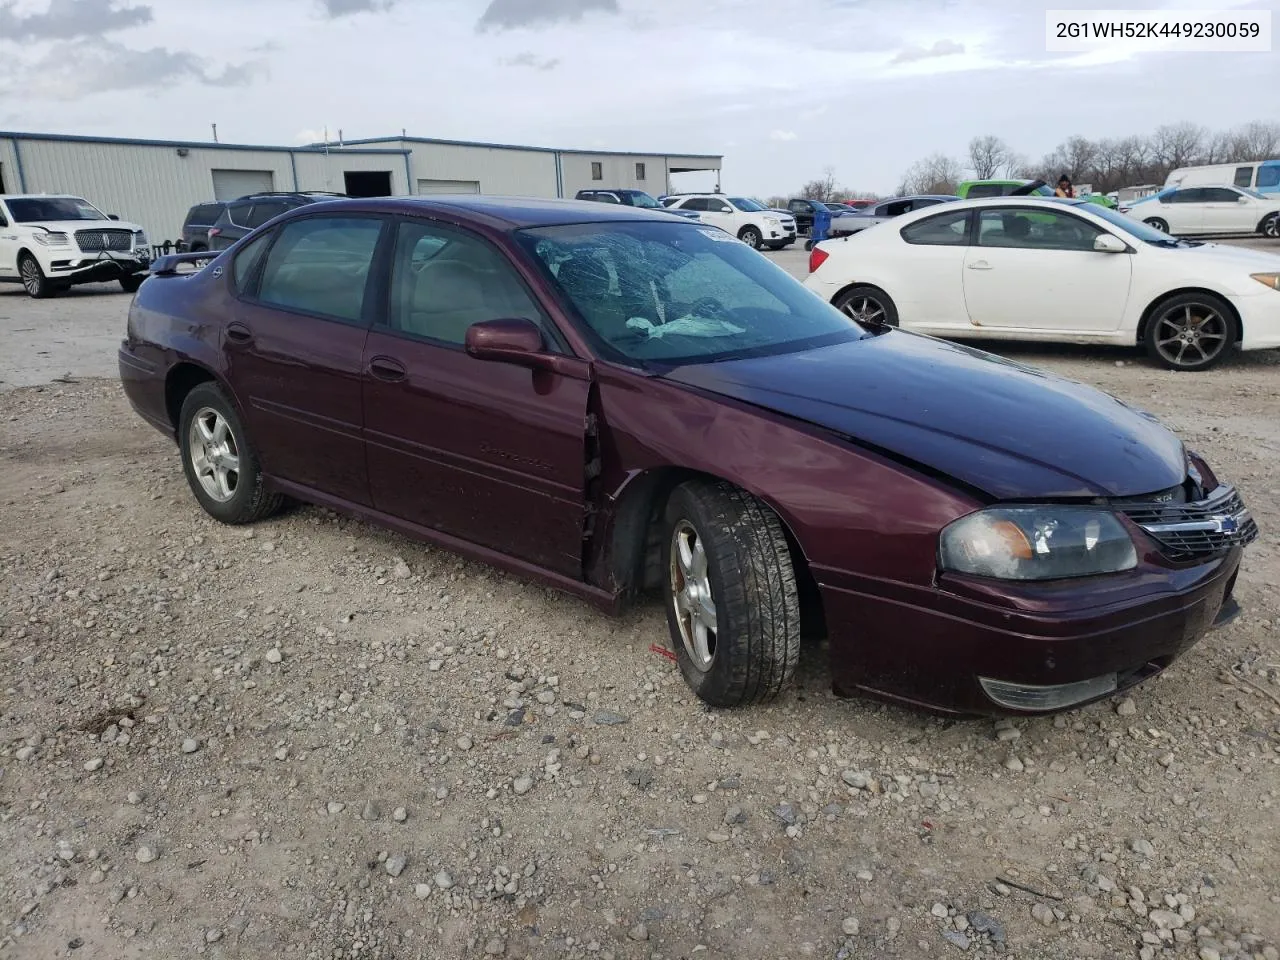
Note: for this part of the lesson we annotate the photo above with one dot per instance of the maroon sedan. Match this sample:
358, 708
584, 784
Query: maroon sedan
611, 401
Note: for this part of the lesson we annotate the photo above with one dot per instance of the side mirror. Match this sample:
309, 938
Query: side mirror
112, 216
517, 341
1242, 199
1109, 243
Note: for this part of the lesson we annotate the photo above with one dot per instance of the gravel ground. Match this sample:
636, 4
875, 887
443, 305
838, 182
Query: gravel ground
316, 739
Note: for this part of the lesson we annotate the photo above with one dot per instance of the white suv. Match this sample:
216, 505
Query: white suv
751, 222
49, 243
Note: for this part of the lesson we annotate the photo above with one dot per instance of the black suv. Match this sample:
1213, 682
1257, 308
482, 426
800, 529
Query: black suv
195, 229
242, 216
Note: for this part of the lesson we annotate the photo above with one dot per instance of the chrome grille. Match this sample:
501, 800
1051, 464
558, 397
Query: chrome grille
1203, 528
95, 241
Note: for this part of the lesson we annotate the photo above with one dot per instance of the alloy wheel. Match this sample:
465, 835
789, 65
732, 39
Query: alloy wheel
1271, 226
865, 309
32, 279
1157, 224
691, 593
1191, 335
215, 454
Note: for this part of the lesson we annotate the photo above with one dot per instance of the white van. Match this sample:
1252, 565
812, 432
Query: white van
1262, 176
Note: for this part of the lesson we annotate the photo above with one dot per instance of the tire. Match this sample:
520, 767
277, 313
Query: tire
37, 285
242, 498
131, 283
751, 647
751, 236
1157, 223
868, 304
1190, 332
1270, 227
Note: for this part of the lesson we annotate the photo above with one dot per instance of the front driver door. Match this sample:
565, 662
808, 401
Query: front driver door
1035, 269
1224, 212
491, 453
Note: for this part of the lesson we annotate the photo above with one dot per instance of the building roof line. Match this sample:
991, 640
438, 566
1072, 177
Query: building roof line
515, 146
196, 144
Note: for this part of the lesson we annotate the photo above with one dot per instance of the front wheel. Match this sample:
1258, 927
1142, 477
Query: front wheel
1270, 227
868, 305
131, 283
733, 607
34, 281
1157, 223
751, 237
220, 463
1191, 332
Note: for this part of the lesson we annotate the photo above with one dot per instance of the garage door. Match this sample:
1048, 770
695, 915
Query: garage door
448, 186
229, 184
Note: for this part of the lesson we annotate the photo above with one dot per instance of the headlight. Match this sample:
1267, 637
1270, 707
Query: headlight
1271, 280
50, 238
773, 221
139, 238
1048, 542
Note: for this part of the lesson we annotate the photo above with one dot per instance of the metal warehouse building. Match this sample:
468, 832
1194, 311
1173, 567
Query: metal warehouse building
155, 182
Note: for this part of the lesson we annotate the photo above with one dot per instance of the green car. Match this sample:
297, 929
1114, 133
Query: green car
973, 189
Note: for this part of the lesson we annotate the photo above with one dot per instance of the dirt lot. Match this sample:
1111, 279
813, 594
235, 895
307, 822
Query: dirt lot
315, 739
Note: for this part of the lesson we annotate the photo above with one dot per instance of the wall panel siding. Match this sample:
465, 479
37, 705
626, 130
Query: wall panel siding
618, 171
318, 171
521, 173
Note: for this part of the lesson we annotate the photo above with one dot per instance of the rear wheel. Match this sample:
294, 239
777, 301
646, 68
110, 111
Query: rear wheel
131, 283
1157, 223
751, 237
869, 305
37, 285
220, 462
1191, 332
733, 607
1270, 227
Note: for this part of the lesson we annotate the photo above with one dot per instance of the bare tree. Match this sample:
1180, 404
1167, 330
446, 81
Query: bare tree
822, 189
936, 173
987, 156
1178, 145
1255, 141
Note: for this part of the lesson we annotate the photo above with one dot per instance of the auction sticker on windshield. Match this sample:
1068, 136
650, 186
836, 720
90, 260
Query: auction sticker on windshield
719, 236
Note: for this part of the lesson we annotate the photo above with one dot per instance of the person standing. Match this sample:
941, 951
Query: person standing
1064, 187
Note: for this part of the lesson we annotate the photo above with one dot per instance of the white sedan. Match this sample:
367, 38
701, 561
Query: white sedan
1188, 211
1022, 268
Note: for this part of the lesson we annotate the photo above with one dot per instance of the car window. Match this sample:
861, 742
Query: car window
260, 213
238, 214
1190, 195
443, 280
680, 293
1220, 195
950, 229
245, 266
205, 214
321, 265
718, 206
694, 203
896, 209
1034, 230
1268, 175
799, 206
978, 190
1244, 177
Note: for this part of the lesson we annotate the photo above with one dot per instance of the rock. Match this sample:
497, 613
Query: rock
522, 785
957, 938
422, 890
274, 655
866, 876
1209, 953
400, 815
282, 753
735, 816
464, 742
401, 570
607, 718
1044, 913
850, 926
212, 936
984, 923
1014, 764
786, 812
1142, 848
1126, 707
370, 811
1166, 920
93, 764
939, 910
495, 947
717, 837
641, 777
638, 932
857, 779
1008, 734
145, 854
335, 807
25, 753
395, 864
190, 745
134, 798
444, 880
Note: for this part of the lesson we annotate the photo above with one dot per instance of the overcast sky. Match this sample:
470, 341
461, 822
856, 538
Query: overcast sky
782, 88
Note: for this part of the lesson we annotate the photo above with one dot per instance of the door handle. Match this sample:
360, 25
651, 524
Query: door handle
239, 333
384, 368
979, 265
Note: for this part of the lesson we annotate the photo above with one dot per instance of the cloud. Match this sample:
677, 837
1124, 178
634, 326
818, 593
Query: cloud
345, 8
531, 60
782, 135
80, 68
943, 48
514, 14
71, 19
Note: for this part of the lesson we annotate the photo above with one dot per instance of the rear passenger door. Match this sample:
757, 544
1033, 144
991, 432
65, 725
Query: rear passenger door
1184, 211
490, 453
295, 348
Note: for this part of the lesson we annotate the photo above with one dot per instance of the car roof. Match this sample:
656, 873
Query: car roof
40, 196
509, 213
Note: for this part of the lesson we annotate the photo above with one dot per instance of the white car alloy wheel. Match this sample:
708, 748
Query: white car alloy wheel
1157, 224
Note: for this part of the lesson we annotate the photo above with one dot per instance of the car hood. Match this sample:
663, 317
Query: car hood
73, 226
1228, 253
1008, 430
